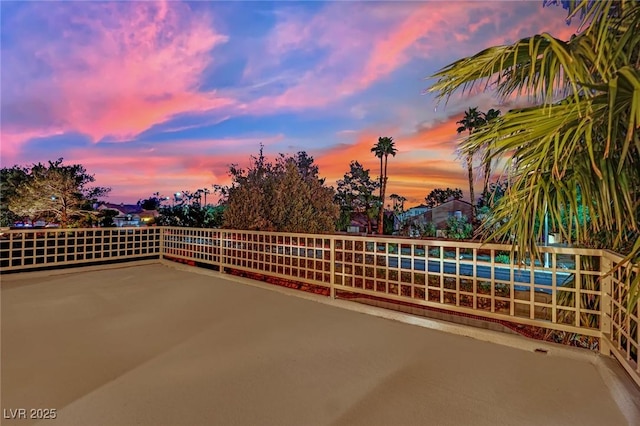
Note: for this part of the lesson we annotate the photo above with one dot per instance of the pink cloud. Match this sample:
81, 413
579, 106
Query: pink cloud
547, 20
439, 28
376, 40
132, 65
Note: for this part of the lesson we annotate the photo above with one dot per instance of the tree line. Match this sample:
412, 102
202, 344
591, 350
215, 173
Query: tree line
283, 195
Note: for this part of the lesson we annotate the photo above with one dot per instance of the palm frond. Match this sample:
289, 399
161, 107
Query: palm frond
575, 154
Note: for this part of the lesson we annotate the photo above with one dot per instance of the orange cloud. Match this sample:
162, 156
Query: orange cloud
135, 171
132, 176
426, 159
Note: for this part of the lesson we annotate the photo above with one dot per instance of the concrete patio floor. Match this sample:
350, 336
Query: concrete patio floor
160, 345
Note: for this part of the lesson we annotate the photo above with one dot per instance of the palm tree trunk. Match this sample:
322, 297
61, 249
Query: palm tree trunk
471, 193
382, 195
487, 174
380, 213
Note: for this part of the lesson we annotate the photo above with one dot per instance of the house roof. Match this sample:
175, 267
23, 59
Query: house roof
453, 200
122, 208
359, 219
421, 206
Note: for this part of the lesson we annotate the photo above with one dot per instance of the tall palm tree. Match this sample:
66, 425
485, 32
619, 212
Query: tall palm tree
382, 150
488, 117
398, 202
472, 120
581, 136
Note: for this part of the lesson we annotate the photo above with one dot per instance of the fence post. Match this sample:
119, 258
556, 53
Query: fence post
332, 268
222, 238
161, 245
605, 303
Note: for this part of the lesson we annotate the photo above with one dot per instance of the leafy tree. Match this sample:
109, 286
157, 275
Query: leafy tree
311, 209
187, 198
214, 217
10, 180
195, 216
56, 192
472, 120
382, 150
355, 193
389, 223
439, 196
304, 164
580, 135
152, 203
283, 196
106, 218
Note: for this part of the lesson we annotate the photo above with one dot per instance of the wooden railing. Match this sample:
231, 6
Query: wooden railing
570, 289
621, 326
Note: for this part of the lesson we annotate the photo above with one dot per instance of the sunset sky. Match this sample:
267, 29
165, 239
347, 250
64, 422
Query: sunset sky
164, 96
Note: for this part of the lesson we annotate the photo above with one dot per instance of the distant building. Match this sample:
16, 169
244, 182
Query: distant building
412, 212
440, 214
359, 222
437, 215
129, 214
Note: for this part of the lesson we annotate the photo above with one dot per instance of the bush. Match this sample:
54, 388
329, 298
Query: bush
195, 216
459, 229
428, 230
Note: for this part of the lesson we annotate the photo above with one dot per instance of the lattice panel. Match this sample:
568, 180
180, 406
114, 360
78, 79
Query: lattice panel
200, 245
625, 330
39, 248
300, 257
487, 279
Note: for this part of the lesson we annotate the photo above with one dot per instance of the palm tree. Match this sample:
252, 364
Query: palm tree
398, 202
488, 117
383, 149
204, 191
471, 121
581, 136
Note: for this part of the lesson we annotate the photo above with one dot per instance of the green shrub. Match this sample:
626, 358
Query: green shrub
428, 230
459, 229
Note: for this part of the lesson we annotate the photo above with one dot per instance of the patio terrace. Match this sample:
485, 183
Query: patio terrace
163, 343
158, 344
